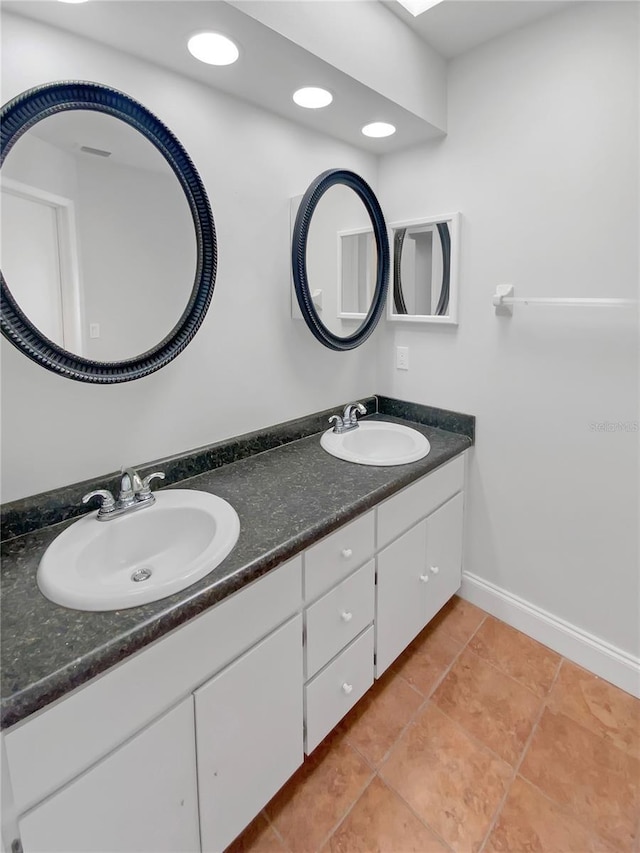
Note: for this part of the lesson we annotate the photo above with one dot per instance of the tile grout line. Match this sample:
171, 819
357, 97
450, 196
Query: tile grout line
590, 830
348, 811
518, 764
277, 832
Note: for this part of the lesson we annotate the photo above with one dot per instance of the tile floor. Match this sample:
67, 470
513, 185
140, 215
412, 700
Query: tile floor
476, 739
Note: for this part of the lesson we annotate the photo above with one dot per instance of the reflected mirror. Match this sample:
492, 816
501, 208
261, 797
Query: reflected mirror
98, 245
425, 274
108, 244
340, 259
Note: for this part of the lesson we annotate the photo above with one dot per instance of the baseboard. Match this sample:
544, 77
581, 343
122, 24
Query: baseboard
594, 654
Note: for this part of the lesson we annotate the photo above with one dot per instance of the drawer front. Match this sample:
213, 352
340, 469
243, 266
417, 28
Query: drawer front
444, 554
338, 617
400, 595
337, 688
52, 747
418, 500
337, 555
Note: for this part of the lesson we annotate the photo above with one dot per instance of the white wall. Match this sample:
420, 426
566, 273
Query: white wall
249, 365
542, 161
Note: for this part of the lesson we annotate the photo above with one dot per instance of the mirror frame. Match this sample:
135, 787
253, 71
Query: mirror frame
451, 317
309, 202
30, 107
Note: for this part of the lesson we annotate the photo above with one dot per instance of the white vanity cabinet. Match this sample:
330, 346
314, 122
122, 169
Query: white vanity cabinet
181, 745
141, 798
419, 571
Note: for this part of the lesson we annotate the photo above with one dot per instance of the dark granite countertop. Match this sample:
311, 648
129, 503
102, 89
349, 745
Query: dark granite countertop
287, 498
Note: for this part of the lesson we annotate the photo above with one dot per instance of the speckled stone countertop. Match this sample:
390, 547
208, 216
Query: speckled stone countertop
287, 498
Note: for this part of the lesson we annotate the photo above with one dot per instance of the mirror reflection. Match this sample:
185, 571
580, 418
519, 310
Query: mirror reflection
341, 259
424, 270
99, 248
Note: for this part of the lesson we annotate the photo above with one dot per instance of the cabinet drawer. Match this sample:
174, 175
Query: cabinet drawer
444, 554
337, 688
418, 500
337, 555
338, 617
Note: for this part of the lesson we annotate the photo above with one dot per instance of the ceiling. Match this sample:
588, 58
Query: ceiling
271, 65
455, 26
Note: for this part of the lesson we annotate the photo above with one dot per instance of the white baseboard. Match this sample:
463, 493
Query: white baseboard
594, 654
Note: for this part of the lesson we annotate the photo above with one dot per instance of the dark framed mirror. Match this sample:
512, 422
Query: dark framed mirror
340, 232
109, 243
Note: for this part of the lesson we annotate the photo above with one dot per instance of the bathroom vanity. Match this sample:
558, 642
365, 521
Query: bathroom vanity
181, 743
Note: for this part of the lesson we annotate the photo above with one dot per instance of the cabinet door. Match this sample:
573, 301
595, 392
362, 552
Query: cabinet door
249, 734
444, 554
400, 595
142, 797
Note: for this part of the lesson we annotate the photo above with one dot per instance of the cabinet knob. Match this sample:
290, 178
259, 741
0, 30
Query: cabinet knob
346, 616
347, 688
346, 553
435, 570
424, 578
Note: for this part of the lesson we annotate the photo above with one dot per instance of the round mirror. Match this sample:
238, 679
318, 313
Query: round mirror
109, 249
340, 259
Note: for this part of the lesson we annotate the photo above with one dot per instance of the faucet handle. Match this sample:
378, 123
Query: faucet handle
338, 426
107, 504
144, 494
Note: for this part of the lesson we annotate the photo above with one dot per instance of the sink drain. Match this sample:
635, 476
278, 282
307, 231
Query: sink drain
141, 575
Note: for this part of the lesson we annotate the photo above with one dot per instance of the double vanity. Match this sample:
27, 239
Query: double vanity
170, 725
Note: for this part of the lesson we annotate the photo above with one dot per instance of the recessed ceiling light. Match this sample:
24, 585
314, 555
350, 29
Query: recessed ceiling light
73, 1
312, 97
213, 48
378, 129
417, 7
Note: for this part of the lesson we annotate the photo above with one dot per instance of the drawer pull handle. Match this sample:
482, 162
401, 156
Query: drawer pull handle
346, 553
347, 688
346, 616
424, 578
435, 570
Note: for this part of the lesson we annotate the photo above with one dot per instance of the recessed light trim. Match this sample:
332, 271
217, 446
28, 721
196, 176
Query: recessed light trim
72, 1
379, 129
213, 48
312, 97
417, 7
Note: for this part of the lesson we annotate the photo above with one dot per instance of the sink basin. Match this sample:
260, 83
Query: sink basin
139, 557
377, 443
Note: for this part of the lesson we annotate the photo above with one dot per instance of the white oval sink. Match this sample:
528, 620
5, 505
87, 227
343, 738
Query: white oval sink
168, 546
377, 443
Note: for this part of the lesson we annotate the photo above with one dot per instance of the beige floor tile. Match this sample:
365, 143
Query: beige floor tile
381, 822
588, 776
258, 837
319, 794
424, 662
459, 619
531, 822
598, 706
377, 721
529, 662
491, 706
453, 783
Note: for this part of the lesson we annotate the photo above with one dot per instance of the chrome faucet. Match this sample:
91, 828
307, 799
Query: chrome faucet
135, 493
349, 419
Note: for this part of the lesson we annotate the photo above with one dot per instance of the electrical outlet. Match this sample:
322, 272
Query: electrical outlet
94, 330
402, 358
